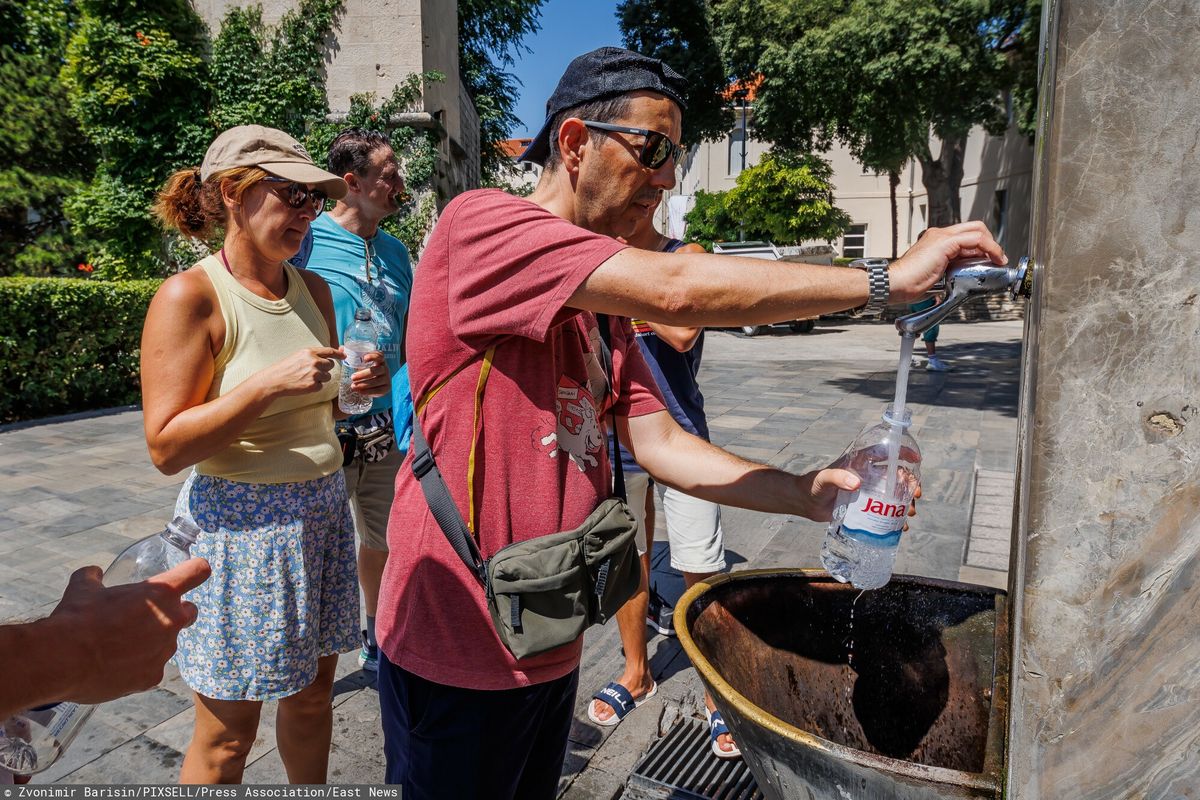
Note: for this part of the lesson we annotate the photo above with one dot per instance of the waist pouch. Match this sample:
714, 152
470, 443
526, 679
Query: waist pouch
370, 437
543, 593
348, 441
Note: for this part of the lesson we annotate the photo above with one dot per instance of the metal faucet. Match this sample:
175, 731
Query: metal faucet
967, 278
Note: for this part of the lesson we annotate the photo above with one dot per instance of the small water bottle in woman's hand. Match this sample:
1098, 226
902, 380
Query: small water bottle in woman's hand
360, 338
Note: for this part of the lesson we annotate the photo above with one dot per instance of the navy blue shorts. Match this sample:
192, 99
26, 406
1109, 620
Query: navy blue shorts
446, 742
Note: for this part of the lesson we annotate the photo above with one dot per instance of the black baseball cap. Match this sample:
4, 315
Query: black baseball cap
600, 74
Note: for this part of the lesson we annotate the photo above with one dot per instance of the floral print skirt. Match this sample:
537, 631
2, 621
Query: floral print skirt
284, 586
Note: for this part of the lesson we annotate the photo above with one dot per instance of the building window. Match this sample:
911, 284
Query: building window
854, 242
1000, 213
737, 153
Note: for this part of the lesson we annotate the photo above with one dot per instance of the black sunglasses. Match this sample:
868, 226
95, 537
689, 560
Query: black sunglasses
298, 194
655, 150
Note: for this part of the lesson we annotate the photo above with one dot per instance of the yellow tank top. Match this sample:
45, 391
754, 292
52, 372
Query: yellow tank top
293, 440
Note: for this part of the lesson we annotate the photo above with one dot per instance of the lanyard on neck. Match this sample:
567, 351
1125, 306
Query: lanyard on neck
369, 259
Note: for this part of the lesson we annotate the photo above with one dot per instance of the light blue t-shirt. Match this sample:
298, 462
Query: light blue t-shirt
341, 258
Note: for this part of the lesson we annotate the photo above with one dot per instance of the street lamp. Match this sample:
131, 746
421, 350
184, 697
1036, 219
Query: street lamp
740, 96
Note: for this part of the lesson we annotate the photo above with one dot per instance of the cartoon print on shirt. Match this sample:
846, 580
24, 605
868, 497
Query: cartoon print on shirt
578, 432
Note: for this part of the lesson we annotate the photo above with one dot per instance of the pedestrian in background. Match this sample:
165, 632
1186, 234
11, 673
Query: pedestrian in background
929, 338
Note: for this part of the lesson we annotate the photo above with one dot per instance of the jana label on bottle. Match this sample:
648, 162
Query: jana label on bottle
66, 712
874, 517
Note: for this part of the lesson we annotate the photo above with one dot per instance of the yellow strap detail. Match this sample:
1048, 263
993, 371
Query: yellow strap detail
483, 376
433, 392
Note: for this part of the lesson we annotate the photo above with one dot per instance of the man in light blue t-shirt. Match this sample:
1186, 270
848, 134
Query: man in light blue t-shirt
368, 268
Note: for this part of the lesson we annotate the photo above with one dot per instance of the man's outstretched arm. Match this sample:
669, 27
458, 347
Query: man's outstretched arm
682, 338
697, 289
686, 462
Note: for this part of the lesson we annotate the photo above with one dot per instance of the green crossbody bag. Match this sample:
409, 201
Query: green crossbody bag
542, 593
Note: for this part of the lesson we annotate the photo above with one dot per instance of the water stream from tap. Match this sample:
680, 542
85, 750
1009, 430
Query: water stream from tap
850, 639
850, 660
906, 347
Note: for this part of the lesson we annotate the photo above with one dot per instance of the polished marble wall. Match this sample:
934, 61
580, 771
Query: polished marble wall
1106, 684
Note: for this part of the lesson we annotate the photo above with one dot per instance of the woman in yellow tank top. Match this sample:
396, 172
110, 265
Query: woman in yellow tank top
240, 371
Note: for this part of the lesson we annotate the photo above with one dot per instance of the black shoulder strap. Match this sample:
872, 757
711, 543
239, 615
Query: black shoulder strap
617, 467
441, 504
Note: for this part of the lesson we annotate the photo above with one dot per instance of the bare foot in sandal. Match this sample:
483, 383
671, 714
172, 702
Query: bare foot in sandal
610, 705
723, 745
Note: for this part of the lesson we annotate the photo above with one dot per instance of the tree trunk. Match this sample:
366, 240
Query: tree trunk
942, 178
893, 182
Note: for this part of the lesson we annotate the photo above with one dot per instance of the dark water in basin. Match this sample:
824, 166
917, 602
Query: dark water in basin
920, 686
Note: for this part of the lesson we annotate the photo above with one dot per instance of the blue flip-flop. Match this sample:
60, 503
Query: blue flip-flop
716, 727
621, 701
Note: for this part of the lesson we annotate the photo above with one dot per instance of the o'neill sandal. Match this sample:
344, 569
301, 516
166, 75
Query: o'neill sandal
620, 700
717, 727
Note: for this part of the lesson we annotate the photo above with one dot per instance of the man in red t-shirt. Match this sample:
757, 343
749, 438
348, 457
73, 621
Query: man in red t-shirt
462, 718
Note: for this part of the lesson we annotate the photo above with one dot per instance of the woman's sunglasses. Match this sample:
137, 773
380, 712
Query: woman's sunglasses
297, 194
655, 150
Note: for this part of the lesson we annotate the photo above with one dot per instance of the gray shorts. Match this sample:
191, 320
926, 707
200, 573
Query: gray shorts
693, 526
371, 487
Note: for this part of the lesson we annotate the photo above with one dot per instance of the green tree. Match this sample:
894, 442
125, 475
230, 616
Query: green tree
46, 156
490, 33
680, 33
789, 196
1023, 52
880, 76
709, 221
137, 79
786, 198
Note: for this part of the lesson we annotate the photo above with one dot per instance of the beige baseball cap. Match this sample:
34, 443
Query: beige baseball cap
272, 150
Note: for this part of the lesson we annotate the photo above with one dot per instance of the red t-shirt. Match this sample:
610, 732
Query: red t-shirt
497, 271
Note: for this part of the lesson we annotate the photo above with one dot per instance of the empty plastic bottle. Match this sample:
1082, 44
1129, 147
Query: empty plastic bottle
360, 338
864, 533
34, 739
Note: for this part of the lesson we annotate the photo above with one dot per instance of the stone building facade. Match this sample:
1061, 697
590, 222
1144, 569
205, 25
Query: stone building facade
374, 47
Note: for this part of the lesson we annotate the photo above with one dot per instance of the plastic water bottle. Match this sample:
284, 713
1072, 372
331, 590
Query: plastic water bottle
860, 545
34, 739
360, 338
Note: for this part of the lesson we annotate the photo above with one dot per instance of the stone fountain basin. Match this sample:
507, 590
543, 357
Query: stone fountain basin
909, 701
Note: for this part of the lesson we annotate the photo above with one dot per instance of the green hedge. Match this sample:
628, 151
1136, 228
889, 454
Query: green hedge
69, 344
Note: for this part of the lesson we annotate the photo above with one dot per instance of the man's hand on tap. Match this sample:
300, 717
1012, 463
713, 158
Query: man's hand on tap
919, 268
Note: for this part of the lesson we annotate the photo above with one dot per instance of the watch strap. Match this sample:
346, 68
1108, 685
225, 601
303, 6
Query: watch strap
878, 284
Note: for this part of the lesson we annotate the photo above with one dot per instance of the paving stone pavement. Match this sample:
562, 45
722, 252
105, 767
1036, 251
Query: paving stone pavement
77, 492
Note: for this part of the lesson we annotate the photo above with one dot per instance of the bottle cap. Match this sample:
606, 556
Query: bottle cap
182, 532
362, 314
889, 416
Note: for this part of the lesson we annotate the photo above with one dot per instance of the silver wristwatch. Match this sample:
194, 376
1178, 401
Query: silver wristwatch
877, 282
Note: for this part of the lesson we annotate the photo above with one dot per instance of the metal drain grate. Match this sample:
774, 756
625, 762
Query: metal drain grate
681, 766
